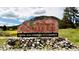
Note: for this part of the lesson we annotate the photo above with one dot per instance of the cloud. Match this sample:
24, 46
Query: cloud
31, 11
40, 12
9, 14
2, 22
21, 20
11, 24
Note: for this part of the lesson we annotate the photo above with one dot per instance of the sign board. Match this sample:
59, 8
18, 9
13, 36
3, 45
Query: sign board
39, 27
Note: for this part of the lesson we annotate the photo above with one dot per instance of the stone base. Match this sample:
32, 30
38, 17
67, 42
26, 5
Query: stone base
43, 43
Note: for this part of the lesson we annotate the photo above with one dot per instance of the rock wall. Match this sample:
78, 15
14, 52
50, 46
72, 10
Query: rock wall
54, 44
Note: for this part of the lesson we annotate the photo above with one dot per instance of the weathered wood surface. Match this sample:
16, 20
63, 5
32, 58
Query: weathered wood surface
47, 25
39, 27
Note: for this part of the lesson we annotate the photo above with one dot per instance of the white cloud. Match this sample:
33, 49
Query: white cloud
40, 11
2, 23
7, 24
11, 24
31, 11
9, 18
21, 20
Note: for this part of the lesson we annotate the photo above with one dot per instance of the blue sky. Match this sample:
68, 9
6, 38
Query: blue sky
16, 15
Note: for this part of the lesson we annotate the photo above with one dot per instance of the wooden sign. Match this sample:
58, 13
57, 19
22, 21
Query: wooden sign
42, 26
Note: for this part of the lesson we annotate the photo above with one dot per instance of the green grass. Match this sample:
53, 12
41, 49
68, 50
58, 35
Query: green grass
2, 41
71, 34
8, 33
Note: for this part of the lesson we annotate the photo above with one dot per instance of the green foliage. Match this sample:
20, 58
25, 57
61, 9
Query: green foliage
71, 15
65, 24
31, 23
4, 28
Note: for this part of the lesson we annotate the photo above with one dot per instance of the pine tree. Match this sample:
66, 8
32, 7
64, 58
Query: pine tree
71, 16
4, 28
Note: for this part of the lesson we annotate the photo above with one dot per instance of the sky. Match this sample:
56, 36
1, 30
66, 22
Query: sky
11, 16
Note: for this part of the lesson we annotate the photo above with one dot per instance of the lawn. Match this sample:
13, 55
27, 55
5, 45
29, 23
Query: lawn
2, 41
71, 34
8, 33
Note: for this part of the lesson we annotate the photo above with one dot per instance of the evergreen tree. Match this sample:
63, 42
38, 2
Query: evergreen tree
71, 16
4, 28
